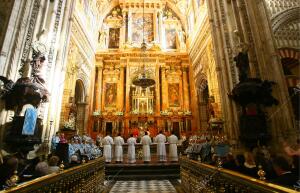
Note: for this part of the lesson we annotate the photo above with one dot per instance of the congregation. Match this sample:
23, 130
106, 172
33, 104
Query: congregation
64, 154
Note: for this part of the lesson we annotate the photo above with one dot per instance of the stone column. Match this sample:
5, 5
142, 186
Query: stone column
120, 96
270, 68
225, 67
157, 90
160, 26
129, 26
155, 26
98, 86
123, 29
127, 105
186, 96
164, 88
192, 93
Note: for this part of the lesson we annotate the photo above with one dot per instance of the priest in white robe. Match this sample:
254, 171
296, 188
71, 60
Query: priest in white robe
160, 139
173, 141
107, 142
131, 141
146, 142
119, 142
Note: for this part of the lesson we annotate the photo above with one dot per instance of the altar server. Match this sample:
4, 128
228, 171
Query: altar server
173, 140
146, 142
160, 139
107, 143
131, 141
119, 142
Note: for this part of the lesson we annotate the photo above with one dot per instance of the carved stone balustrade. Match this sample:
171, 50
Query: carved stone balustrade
85, 178
198, 177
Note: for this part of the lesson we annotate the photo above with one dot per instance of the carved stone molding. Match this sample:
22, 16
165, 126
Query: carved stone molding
29, 35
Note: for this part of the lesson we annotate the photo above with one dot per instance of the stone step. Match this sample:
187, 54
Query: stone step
142, 171
142, 177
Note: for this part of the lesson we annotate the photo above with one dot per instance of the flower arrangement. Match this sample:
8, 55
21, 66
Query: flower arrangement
70, 124
187, 112
119, 113
165, 112
96, 113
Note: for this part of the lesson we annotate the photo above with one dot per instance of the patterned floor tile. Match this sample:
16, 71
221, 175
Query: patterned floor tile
143, 186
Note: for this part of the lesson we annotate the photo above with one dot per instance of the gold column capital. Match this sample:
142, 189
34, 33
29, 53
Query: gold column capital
99, 63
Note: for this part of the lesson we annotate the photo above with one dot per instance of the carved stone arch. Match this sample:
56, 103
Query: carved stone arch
82, 79
178, 14
290, 60
285, 17
201, 81
289, 53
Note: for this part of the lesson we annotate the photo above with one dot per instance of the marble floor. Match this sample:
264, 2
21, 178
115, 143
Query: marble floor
144, 186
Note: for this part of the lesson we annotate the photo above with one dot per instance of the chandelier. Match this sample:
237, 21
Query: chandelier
142, 80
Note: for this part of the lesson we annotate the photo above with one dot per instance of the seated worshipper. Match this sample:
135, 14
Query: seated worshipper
294, 153
99, 140
119, 142
107, 143
131, 141
86, 137
284, 175
173, 140
74, 161
160, 139
41, 169
146, 142
76, 136
71, 148
62, 138
10, 164
78, 147
53, 164
95, 151
250, 165
86, 149
54, 141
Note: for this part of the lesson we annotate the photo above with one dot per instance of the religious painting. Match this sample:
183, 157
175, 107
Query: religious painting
173, 93
139, 25
170, 38
110, 94
114, 36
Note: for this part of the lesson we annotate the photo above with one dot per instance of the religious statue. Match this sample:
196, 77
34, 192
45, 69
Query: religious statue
242, 63
27, 90
102, 39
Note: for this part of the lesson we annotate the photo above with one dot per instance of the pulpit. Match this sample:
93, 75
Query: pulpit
17, 141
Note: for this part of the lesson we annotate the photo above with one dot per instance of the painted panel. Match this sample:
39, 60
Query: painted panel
110, 94
114, 36
173, 95
170, 38
137, 27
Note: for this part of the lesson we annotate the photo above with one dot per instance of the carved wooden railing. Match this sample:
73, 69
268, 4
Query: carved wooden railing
85, 178
198, 177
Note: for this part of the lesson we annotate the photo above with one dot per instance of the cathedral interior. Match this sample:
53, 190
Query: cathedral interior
221, 75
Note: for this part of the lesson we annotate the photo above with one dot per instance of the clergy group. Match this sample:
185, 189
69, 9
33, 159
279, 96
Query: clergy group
116, 144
